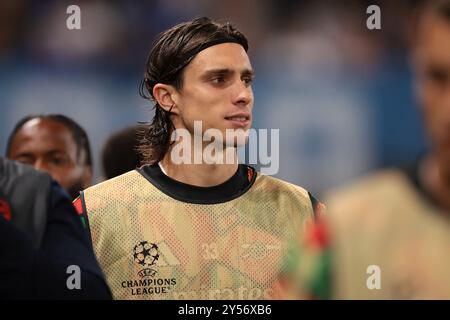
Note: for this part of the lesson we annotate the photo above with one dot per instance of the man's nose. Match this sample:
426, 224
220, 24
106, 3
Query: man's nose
244, 94
40, 164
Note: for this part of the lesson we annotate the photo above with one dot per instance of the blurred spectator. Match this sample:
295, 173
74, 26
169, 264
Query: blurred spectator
14, 17
56, 144
120, 153
386, 236
40, 237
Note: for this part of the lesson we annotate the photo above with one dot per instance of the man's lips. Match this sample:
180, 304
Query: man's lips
241, 116
241, 120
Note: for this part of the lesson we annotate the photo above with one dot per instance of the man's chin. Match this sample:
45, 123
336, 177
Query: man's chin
237, 142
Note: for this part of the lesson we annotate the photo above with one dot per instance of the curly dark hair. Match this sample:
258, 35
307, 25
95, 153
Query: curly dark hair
78, 133
173, 50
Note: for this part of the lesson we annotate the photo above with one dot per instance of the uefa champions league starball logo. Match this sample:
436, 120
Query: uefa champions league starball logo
146, 254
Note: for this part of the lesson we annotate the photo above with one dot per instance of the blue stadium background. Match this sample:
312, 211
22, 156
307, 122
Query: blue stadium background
340, 94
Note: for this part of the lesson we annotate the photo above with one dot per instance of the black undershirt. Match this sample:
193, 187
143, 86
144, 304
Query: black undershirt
231, 189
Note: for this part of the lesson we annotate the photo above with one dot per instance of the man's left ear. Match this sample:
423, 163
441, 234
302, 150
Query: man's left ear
166, 96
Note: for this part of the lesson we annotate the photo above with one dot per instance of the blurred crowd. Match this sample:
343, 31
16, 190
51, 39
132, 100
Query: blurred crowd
347, 100
339, 93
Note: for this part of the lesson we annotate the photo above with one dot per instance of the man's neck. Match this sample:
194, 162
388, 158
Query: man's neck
433, 182
201, 175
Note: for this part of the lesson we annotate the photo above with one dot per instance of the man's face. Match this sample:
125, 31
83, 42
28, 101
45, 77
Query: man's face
49, 146
217, 90
432, 66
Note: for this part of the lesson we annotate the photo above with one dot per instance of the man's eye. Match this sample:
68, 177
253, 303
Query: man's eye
58, 161
438, 75
218, 80
25, 160
248, 80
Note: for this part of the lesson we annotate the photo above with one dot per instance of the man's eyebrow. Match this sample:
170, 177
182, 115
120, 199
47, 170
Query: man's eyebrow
25, 154
224, 71
213, 72
249, 72
53, 152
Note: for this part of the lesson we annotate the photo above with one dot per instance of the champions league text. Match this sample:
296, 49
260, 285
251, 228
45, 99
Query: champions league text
149, 286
